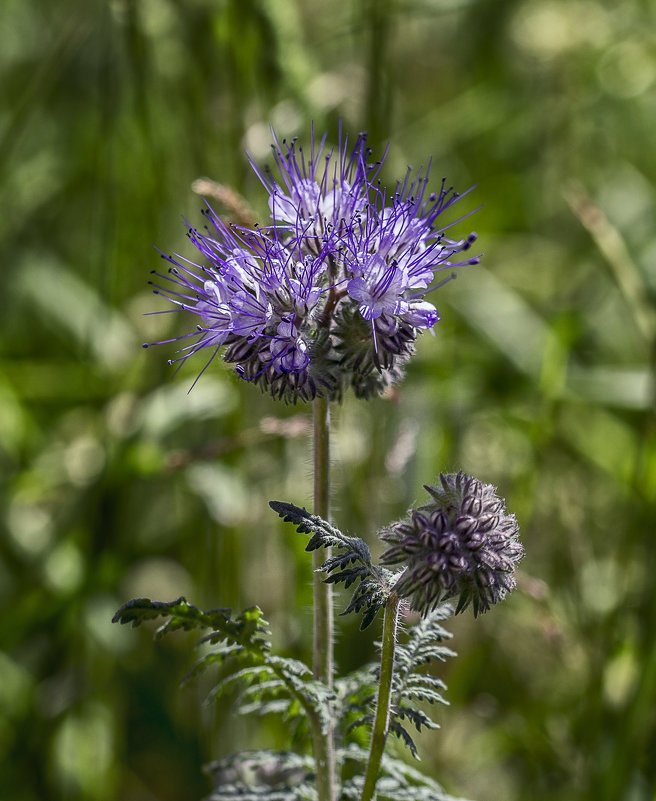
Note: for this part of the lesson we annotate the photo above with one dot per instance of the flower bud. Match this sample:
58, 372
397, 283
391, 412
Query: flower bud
461, 545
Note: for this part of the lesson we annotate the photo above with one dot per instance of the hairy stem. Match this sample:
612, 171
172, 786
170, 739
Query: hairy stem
322, 657
322, 651
381, 721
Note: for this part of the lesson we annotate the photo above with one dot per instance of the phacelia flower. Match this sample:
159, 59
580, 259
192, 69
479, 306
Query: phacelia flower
329, 294
462, 545
322, 196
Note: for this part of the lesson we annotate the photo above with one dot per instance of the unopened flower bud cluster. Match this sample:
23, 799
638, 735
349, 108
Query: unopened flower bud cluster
461, 545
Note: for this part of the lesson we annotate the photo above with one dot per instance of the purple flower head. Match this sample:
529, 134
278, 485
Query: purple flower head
331, 292
317, 197
378, 287
288, 349
462, 545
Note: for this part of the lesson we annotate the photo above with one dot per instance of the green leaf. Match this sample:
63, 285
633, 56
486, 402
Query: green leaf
424, 687
324, 534
355, 695
417, 717
263, 776
261, 707
228, 658
243, 639
248, 629
314, 696
263, 697
398, 781
401, 732
248, 675
409, 685
352, 562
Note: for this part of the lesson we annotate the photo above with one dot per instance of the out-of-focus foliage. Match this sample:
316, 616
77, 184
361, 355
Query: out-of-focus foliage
117, 483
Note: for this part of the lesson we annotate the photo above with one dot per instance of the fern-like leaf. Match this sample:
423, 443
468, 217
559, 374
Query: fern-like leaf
314, 696
424, 641
417, 717
248, 630
253, 674
398, 781
263, 776
412, 685
272, 683
263, 697
423, 645
363, 720
424, 687
324, 534
399, 730
228, 659
352, 562
355, 695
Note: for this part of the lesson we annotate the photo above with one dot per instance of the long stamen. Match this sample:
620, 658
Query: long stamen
337, 248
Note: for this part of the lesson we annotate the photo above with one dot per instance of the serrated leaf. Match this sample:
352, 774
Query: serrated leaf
229, 657
259, 707
363, 720
246, 675
263, 776
307, 523
401, 781
424, 680
355, 694
248, 629
354, 684
424, 694
409, 685
428, 653
241, 793
417, 717
271, 695
259, 698
268, 686
347, 575
325, 535
289, 667
369, 597
399, 731
313, 696
353, 562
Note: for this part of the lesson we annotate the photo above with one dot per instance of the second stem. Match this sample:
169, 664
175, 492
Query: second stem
382, 719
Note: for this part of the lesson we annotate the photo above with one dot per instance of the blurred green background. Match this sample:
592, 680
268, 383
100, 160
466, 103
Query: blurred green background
117, 483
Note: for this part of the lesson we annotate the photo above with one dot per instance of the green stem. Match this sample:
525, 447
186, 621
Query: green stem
381, 721
322, 647
322, 656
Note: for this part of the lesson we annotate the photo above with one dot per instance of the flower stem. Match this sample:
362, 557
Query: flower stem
322, 656
322, 647
381, 721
